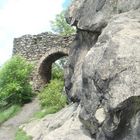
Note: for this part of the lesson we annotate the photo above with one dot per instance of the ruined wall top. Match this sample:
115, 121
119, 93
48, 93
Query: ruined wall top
33, 47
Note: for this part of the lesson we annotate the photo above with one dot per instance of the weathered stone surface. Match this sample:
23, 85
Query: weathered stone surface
107, 74
64, 125
44, 66
33, 47
73, 73
111, 79
93, 15
100, 115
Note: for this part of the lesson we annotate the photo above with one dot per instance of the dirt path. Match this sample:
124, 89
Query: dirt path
9, 128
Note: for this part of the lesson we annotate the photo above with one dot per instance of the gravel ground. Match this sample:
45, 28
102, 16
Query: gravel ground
8, 129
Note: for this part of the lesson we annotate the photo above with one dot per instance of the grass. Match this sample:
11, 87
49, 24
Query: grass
21, 135
8, 113
42, 113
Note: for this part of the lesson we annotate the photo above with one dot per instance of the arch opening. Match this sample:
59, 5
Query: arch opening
45, 68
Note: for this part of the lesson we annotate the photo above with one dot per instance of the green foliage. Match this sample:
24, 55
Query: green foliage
21, 135
60, 26
51, 98
52, 95
14, 81
8, 113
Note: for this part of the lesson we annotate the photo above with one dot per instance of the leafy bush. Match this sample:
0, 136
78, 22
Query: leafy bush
14, 81
52, 95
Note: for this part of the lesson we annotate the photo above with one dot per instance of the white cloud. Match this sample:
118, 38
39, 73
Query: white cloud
20, 17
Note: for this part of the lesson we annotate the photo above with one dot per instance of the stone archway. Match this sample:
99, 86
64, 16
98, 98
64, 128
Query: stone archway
45, 64
39, 50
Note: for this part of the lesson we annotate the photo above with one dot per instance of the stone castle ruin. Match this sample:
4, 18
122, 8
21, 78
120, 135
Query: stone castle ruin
42, 50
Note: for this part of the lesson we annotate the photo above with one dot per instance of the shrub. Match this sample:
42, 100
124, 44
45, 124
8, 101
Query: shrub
52, 95
14, 81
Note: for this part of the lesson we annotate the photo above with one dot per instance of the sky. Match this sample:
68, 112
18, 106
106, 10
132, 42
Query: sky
20, 17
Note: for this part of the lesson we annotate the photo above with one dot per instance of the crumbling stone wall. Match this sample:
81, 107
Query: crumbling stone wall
33, 47
38, 49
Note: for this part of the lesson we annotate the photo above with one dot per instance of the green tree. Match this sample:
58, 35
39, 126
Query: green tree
14, 81
52, 95
60, 26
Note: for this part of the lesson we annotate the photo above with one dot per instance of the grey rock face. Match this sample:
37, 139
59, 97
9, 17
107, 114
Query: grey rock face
73, 72
104, 73
111, 80
90, 17
64, 125
93, 15
127, 5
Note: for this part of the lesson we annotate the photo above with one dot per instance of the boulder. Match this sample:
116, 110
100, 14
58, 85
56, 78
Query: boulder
103, 73
64, 125
93, 15
90, 18
111, 80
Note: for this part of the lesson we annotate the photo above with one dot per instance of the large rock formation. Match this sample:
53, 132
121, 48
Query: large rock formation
104, 67
64, 125
111, 80
103, 72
